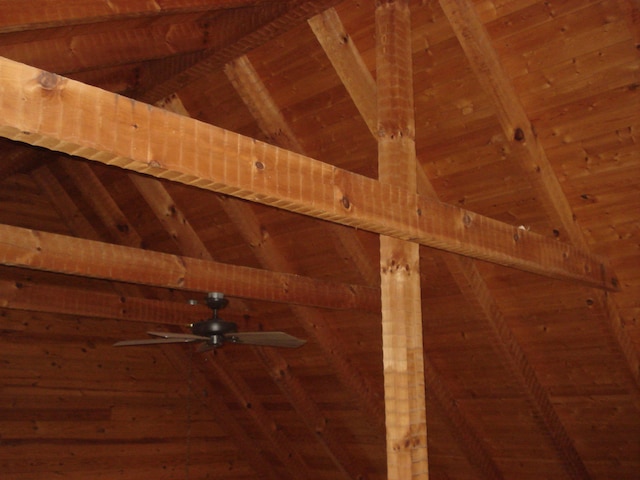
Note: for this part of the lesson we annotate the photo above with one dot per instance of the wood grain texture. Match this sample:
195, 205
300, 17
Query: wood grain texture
131, 136
72, 256
402, 346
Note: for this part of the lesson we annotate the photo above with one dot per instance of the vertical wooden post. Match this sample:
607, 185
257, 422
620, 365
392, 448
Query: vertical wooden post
399, 260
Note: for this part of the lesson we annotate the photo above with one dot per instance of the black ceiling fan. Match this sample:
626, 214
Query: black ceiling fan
215, 332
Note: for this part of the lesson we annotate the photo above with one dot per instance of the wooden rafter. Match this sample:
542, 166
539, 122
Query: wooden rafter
95, 195
255, 95
402, 347
63, 203
171, 217
58, 253
243, 217
133, 136
351, 70
216, 59
530, 154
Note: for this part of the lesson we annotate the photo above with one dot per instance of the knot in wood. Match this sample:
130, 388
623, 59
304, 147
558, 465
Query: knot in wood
48, 80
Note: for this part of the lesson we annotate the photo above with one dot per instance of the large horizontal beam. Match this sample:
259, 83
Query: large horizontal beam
44, 109
79, 12
20, 247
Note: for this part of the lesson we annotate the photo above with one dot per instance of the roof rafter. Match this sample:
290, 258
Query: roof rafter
243, 217
215, 59
530, 154
359, 82
138, 137
262, 106
255, 451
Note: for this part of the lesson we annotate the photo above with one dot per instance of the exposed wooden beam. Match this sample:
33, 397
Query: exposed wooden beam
271, 121
15, 18
214, 61
172, 218
68, 255
402, 348
344, 56
102, 126
258, 100
531, 156
95, 195
63, 203
348, 64
243, 217
361, 86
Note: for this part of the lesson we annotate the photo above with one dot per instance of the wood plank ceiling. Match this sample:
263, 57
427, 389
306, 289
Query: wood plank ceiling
440, 197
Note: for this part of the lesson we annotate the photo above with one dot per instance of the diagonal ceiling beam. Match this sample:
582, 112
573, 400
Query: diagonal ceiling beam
60, 114
359, 82
253, 92
530, 154
50, 252
95, 195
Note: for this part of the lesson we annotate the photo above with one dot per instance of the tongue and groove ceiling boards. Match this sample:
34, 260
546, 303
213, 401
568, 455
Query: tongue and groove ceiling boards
441, 197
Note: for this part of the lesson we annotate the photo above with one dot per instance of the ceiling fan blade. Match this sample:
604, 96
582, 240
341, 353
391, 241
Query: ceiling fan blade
184, 336
155, 341
267, 339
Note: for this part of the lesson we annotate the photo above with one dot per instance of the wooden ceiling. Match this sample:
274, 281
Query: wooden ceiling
455, 182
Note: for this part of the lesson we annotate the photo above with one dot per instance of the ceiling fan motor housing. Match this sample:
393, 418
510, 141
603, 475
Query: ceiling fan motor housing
208, 328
